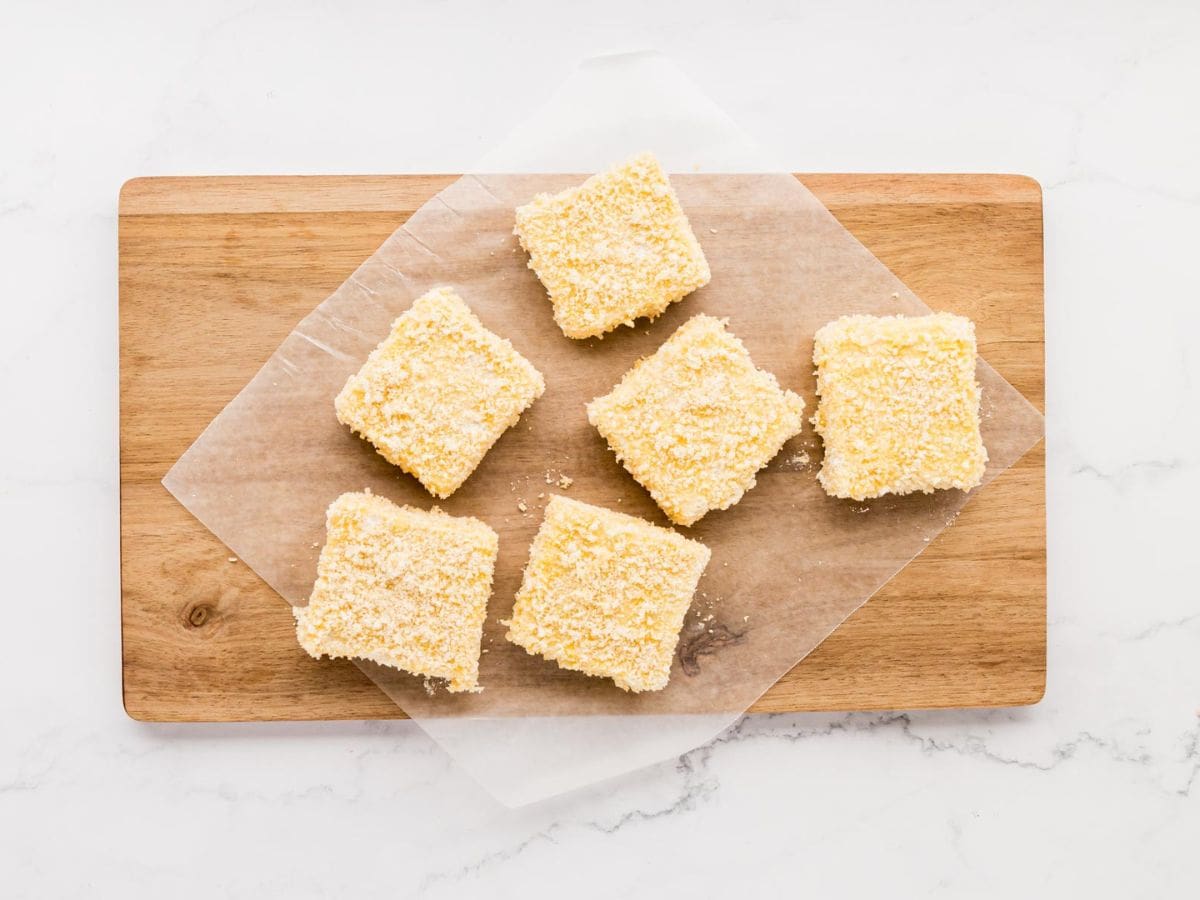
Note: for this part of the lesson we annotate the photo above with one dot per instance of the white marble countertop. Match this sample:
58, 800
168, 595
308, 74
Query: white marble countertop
1097, 789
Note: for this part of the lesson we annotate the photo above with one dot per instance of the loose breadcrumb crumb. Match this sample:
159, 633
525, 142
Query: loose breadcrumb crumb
695, 421
612, 250
606, 593
899, 405
438, 392
402, 587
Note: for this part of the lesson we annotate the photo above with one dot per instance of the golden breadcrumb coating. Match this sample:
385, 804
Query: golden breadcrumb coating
402, 587
695, 421
614, 249
899, 405
438, 392
605, 593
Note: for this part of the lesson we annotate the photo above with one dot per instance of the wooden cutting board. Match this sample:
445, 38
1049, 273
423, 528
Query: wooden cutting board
214, 272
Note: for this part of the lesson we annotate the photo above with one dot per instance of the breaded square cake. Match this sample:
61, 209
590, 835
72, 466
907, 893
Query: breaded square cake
605, 594
612, 250
898, 405
438, 392
401, 587
695, 421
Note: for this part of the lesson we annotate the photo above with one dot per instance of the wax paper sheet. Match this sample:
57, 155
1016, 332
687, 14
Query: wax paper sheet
789, 563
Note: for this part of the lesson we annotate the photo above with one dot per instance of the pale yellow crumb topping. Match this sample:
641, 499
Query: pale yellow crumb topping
401, 587
695, 421
438, 392
605, 593
612, 250
898, 405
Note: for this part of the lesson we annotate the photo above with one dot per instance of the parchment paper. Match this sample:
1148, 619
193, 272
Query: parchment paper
789, 563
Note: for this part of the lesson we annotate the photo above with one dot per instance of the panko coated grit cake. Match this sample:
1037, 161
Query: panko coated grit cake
614, 249
401, 587
605, 593
438, 392
695, 421
899, 405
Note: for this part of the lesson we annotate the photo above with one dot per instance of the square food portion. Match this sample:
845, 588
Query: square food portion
898, 405
694, 422
614, 249
438, 392
401, 587
605, 594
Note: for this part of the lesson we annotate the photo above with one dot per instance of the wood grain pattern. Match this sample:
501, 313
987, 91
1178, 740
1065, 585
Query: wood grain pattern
214, 272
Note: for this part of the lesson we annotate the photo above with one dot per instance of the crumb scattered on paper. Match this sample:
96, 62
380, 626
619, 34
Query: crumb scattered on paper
799, 459
561, 479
